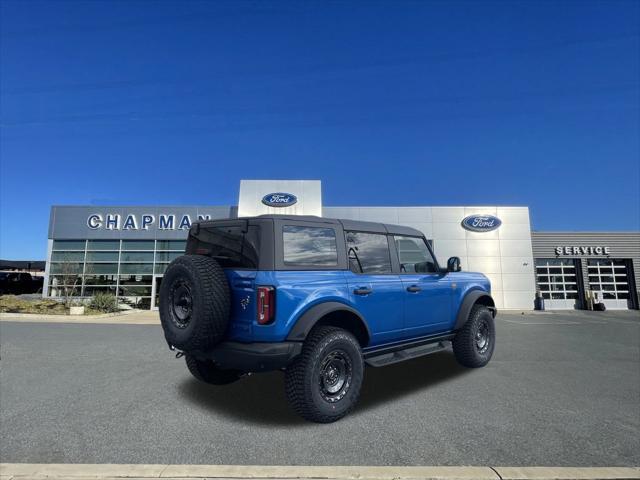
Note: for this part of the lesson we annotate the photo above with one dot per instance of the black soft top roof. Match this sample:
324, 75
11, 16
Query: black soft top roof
357, 225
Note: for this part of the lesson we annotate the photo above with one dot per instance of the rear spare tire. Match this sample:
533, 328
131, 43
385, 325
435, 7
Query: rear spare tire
194, 303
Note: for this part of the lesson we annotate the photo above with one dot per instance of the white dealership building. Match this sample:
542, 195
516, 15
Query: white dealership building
124, 250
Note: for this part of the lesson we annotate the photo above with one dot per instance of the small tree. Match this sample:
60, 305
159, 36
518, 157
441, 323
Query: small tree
69, 273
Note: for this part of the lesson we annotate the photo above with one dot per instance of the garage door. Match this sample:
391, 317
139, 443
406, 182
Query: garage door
558, 283
610, 280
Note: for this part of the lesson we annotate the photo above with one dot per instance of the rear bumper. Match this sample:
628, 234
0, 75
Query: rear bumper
252, 357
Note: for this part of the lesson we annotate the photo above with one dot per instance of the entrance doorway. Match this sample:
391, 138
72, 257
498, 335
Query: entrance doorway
155, 292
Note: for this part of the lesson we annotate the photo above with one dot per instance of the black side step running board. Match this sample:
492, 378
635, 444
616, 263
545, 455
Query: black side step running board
389, 358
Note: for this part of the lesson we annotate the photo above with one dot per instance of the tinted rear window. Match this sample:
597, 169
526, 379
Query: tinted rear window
313, 246
231, 245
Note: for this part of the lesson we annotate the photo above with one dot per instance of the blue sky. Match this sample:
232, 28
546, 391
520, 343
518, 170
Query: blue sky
389, 103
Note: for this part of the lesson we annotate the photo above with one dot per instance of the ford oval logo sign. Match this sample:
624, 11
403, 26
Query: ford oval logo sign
279, 199
481, 223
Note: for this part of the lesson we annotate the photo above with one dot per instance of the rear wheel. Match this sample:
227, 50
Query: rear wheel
323, 384
206, 371
473, 345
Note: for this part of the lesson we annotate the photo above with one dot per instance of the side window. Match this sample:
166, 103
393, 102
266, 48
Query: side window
368, 252
414, 255
313, 246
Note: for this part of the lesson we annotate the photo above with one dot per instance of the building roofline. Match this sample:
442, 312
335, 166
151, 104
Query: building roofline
590, 232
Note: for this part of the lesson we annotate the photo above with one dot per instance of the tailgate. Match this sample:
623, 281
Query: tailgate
243, 302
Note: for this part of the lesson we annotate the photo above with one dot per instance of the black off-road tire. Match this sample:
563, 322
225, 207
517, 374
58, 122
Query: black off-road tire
469, 344
194, 303
207, 372
325, 350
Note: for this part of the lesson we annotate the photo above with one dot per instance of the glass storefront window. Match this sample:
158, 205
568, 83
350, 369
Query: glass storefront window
171, 245
103, 245
135, 279
102, 256
67, 256
129, 291
100, 279
91, 291
138, 244
136, 268
167, 256
160, 268
68, 245
101, 268
66, 268
136, 257
56, 280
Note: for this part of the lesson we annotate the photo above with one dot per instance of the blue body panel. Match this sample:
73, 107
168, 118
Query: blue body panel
429, 310
391, 312
383, 308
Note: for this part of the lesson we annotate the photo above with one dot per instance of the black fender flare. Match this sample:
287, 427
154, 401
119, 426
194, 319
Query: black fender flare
308, 319
470, 299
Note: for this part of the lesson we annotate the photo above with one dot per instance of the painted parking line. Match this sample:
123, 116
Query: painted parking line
517, 322
581, 321
22, 471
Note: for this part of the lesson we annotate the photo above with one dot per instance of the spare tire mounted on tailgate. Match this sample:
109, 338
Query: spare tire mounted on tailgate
194, 303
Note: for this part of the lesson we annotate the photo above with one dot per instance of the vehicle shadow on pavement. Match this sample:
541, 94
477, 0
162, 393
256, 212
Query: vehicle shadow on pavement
382, 385
260, 398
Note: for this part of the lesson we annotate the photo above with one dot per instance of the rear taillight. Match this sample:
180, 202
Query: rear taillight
266, 305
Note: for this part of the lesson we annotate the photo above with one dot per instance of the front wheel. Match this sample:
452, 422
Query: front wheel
473, 345
323, 384
206, 371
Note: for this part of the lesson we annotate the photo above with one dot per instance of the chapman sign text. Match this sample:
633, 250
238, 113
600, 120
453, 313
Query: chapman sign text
575, 250
142, 222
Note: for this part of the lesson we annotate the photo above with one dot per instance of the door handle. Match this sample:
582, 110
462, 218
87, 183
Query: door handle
413, 289
362, 291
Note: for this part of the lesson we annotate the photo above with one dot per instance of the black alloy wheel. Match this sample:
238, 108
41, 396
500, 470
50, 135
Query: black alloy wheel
181, 303
335, 376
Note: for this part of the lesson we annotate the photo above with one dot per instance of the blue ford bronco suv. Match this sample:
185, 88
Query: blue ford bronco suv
318, 298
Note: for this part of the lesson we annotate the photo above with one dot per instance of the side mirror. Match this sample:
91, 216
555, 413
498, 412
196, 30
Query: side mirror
453, 264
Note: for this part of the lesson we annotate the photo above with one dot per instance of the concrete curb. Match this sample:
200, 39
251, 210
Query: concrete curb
23, 471
129, 317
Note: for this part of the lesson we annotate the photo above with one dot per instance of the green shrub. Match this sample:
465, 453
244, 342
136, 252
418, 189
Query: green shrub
104, 302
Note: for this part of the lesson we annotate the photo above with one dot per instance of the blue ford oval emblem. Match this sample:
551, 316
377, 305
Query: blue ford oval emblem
481, 223
279, 199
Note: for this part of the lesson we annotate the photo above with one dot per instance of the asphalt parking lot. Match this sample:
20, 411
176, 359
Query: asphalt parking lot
562, 389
